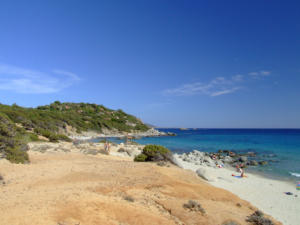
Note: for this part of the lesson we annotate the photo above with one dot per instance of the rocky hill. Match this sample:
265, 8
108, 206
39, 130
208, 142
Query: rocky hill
19, 125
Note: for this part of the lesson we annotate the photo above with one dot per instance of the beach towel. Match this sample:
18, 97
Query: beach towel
298, 186
238, 176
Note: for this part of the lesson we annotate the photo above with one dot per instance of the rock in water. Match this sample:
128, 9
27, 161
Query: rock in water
205, 175
262, 163
253, 163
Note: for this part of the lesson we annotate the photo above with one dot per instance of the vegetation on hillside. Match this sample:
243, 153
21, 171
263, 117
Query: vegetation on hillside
13, 141
19, 125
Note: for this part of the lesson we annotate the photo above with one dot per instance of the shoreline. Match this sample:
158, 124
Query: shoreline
275, 177
88, 135
264, 193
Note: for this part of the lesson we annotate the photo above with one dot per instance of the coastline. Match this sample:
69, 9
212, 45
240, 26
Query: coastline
88, 135
265, 193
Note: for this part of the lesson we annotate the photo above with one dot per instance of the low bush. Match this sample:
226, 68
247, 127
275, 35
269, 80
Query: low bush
258, 218
53, 137
129, 198
140, 158
33, 137
63, 137
13, 143
194, 206
16, 155
154, 153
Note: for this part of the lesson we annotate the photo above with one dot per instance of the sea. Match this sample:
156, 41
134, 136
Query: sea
279, 147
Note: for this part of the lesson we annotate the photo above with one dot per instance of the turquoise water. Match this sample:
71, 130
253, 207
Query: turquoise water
280, 147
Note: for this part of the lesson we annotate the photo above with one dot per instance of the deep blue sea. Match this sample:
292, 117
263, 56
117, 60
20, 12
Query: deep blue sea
280, 147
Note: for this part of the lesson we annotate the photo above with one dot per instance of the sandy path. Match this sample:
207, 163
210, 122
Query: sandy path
69, 189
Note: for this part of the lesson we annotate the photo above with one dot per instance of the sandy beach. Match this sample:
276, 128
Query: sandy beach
266, 194
65, 186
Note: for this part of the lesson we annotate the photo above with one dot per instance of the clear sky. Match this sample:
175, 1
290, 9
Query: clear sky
209, 64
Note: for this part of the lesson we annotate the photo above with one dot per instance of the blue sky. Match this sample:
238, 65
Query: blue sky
210, 64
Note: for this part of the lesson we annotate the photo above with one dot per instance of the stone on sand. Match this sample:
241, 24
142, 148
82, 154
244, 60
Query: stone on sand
203, 173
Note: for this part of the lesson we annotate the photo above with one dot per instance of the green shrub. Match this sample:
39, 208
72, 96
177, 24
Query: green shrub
43, 132
15, 155
12, 141
156, 153
33, 137
63, 137
53, 138
140, 158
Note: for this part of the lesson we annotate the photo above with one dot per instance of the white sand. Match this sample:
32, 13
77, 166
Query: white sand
264, 193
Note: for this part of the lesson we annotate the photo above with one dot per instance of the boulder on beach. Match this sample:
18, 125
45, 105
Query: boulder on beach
203, 173
228, 159
209, 162
132, 151
243, 159
198, 154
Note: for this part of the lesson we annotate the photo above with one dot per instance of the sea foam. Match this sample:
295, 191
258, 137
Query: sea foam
295, 174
